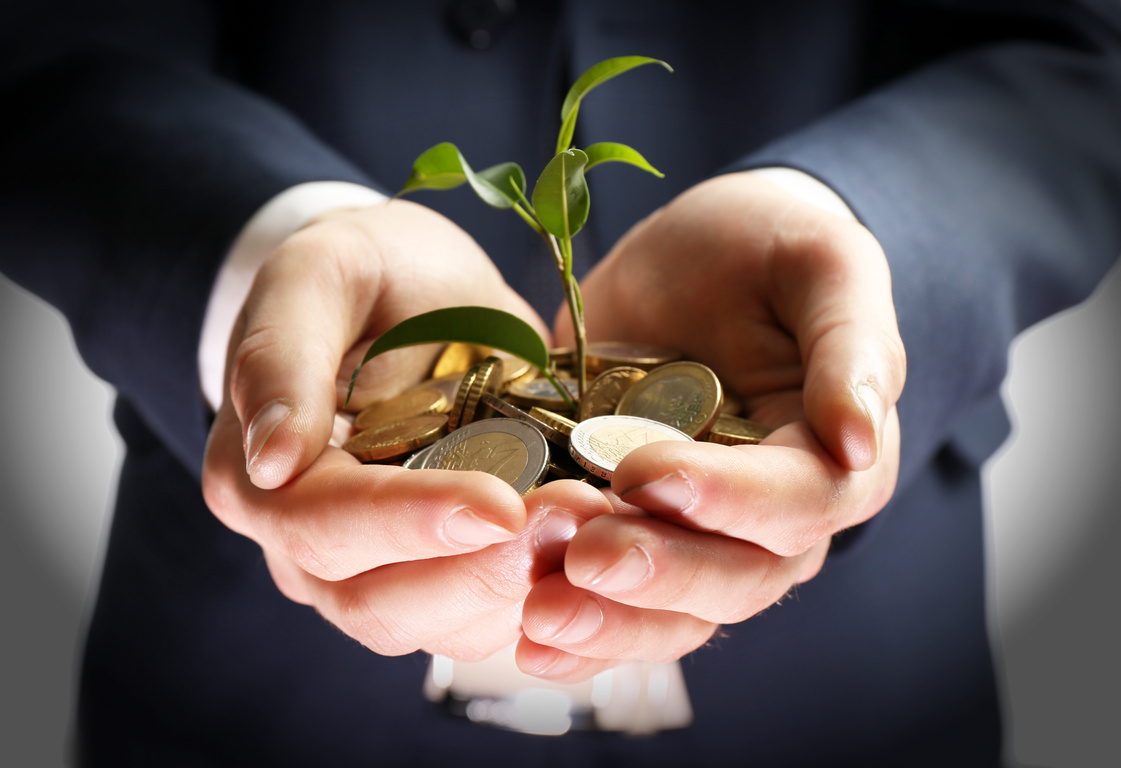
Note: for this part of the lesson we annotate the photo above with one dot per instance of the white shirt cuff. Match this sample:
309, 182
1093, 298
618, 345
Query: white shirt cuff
808, 188
263, 233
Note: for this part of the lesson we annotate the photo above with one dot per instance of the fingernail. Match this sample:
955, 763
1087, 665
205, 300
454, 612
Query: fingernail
586, 622
558, 664
626, 573
341, 430
873, 404
557, 528
271, 416
671, 493
467, 529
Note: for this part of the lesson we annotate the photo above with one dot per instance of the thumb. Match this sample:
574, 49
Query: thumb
854, 358
284, 358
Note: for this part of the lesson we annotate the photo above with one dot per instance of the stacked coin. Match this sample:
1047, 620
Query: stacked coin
486, 413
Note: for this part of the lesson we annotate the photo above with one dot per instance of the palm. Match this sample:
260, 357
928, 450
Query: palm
686, 279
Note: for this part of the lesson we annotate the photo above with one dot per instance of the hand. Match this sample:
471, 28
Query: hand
792, 307
391, 557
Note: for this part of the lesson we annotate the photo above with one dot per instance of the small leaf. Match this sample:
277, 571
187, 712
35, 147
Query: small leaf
473, 325
444, 167
439, 167
595, 75
607, 152
507, 178
560, 196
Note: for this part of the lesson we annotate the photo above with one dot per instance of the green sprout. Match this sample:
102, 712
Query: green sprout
557, 210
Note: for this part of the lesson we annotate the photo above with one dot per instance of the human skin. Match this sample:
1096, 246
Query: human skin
789, 304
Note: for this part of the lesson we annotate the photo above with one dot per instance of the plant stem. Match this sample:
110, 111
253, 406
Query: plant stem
528, 218
561, 388
576, 309
561, 250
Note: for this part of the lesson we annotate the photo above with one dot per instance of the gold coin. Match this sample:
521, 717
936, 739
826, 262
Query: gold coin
506, 448
483, 377
561, 424
415, 402
684, 395
447, 385
606, 389
540, 392
513, 369
602, 355
393, 441
455, 415
733, 430
457, 357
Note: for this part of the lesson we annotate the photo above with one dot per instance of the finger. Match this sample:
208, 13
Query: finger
550, 663
648, 563
563, 616
329, 288
440, 604
832, 287
482, 637
556, 511
299, 320
787, 494
340, 518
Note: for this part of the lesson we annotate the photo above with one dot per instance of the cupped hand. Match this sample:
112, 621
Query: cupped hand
791, 306
392, 557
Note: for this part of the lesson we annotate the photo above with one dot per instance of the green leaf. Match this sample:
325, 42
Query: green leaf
444, 167
608, 152
560, 196
506, 178
473, 325
595, 75
440, 167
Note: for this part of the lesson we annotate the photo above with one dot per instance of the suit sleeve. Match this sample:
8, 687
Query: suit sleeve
992, 179
130, 167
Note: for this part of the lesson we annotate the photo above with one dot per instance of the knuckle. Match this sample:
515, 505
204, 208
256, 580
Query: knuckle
488, 590
688, 586
354, 615
468, 646
774, 585
305, 548
836, 510
758, 594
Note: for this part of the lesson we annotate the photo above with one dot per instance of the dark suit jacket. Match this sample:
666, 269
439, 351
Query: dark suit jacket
980, 142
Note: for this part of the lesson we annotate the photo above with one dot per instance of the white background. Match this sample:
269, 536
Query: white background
1053, 524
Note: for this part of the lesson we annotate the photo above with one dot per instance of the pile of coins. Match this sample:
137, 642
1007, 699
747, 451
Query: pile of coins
498, 415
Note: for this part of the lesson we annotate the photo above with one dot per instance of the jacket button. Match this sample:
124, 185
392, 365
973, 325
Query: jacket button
478, 23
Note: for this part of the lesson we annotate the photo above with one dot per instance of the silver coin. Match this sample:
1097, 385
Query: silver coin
600, 443
416, 461
506, 448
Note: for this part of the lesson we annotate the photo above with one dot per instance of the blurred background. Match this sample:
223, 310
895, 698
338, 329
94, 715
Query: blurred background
1054, 524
